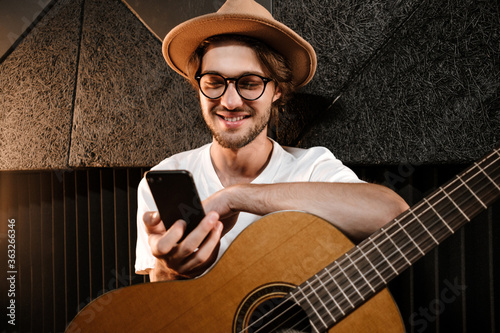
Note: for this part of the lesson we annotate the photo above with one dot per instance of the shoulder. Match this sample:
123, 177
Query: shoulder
308, 153
316, 164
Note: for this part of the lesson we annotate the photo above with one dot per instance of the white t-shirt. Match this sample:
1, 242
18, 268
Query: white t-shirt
287, 164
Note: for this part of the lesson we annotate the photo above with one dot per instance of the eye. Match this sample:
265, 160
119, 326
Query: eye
250, 82
213, 81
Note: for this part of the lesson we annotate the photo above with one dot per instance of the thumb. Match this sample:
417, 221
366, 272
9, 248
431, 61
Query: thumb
153, 223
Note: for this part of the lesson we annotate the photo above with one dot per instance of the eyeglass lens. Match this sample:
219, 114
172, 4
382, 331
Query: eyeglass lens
249, 87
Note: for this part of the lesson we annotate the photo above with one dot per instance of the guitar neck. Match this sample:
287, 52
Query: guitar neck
345, 284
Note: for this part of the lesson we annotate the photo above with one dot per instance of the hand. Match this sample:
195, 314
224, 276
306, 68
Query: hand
219, 202
188, 258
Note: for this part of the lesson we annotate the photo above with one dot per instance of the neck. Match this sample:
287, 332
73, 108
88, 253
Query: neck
236, 166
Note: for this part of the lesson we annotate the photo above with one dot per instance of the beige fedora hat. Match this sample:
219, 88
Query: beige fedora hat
241, 17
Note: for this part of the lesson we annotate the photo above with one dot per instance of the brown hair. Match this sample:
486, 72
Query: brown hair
275, 65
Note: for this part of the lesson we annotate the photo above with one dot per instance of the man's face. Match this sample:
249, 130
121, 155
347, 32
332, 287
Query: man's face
234, 121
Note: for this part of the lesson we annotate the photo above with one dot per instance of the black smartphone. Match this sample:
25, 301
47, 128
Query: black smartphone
176, 197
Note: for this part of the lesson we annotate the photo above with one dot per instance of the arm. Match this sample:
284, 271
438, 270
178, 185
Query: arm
355, 209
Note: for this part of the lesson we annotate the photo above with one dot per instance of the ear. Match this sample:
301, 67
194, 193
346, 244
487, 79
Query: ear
277, 94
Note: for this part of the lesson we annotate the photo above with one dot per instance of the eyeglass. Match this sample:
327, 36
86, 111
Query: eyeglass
249, 86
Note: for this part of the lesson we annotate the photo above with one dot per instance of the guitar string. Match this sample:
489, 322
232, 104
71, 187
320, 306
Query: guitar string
449, 203
398, 231
441, 228
399, 260
388, 229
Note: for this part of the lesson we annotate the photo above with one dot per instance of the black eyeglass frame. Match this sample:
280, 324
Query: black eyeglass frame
266, 80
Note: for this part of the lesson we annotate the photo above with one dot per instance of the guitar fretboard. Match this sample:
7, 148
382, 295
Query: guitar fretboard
352, 279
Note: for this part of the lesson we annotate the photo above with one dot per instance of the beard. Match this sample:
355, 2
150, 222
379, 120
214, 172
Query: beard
232, 141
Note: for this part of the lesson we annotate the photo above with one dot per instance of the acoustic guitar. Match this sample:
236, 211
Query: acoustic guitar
278, 275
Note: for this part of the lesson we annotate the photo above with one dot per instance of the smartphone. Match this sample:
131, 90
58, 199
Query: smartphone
176, 197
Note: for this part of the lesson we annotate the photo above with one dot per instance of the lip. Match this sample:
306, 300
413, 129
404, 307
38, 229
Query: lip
232, 120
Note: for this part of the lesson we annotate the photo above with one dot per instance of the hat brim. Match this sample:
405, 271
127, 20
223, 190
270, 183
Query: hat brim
182, 41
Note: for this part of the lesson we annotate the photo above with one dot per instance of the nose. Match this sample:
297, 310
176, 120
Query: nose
231, 99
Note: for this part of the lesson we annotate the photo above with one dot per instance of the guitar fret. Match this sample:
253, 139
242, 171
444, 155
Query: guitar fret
334, 298
341, 290
399, 250
423, 226
471, 191
330, 298
349, 280
438, 215
321, 301
413, 241
487, 176
311, 306
371, 264
454, 203
382, 253
362, 275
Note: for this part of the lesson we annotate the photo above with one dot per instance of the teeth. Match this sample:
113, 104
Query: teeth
234, 118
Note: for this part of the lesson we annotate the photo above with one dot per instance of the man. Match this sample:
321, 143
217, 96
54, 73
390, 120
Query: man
244, 64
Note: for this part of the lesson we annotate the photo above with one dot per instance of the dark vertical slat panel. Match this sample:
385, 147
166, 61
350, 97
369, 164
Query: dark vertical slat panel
58, 220
23, 251
36, 252
6, 213
46, 251
123, 275
82, 228
95, 234
58, 268
450, 300
477, 275
495, 257
133, 177
108, 228
9, 203
70, 246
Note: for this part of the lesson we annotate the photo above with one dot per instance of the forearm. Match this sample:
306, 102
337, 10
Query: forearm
356, 209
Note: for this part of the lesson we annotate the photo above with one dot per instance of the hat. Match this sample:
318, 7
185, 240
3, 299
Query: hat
241, 17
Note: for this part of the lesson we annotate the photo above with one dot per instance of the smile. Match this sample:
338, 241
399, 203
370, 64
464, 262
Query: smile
233, 119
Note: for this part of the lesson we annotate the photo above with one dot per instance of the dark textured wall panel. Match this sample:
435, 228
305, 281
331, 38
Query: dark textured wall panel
432, 96
37, 82
344, 34
131, 109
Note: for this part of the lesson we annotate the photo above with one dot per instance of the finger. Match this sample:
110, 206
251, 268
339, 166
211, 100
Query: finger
196, 237
206, 253
210, 243
153, 223
167, 241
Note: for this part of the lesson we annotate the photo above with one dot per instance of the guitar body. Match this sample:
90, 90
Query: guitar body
275, 253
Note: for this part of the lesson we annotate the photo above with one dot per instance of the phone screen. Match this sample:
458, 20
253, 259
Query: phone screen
176, 197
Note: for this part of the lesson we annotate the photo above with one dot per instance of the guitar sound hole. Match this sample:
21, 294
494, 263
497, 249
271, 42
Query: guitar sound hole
276, 315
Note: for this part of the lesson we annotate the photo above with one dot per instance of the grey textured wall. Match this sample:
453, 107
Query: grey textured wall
415, 81
405, 81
